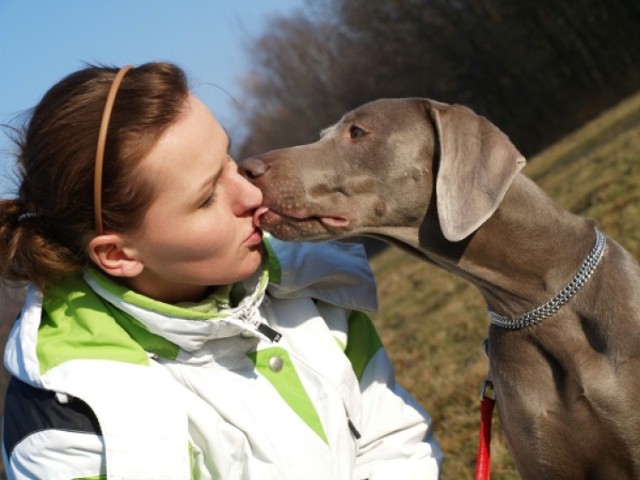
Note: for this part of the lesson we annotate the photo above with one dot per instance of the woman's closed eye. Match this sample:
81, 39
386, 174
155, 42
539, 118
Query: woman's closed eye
210, 200
215, 180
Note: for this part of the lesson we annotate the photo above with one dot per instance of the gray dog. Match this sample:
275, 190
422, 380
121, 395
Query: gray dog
443, 183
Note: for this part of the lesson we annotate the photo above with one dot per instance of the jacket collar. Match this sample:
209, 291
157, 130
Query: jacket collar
76, 318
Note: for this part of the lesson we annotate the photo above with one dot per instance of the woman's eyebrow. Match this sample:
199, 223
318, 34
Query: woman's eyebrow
210, 181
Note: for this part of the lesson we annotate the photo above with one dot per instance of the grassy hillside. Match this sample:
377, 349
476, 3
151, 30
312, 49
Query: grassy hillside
433, 323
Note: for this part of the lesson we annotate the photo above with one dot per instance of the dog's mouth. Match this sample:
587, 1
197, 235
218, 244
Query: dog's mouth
298, 225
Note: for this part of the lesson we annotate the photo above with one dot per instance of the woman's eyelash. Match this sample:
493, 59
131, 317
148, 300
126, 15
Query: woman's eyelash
209, 201
211, 198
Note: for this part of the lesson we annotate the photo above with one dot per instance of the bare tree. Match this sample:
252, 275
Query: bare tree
536, 68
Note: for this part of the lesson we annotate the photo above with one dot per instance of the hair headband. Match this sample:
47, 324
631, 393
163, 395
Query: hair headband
102, 140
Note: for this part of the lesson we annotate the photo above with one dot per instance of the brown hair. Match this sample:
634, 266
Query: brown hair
44, 231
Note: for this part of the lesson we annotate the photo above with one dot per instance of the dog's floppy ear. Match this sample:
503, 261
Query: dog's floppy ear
477, 165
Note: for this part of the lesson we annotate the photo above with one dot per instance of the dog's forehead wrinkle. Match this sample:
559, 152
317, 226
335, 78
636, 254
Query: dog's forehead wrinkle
328, 130
325, 131
398, 158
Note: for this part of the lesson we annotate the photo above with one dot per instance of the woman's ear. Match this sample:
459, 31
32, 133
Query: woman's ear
109, 253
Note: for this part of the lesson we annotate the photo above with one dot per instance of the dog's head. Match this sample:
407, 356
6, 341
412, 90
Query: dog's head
378, 169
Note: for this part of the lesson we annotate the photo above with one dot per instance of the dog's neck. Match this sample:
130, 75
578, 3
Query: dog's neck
522, 256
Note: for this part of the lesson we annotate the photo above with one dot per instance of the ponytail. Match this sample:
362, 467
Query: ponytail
27, 253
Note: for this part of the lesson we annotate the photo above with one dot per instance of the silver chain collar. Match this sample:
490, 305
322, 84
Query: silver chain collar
552, 306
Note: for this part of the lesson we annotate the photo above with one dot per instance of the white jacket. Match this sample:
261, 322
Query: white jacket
292, 383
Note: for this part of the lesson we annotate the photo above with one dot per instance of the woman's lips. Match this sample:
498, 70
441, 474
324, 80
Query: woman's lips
255, 238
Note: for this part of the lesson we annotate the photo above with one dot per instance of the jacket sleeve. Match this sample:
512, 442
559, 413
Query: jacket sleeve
396, 438
56, 455
48, 436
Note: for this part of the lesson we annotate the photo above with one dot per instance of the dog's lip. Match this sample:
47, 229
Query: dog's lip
332, 221
335, 222
257, 215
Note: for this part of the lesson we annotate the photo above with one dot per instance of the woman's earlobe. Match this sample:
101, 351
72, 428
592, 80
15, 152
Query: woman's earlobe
109, 253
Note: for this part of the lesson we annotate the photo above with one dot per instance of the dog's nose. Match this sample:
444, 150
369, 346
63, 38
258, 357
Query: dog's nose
253, 167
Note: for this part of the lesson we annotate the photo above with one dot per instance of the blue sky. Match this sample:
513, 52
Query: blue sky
42, 41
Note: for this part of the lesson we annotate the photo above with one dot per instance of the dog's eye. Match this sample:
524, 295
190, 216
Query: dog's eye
356, 132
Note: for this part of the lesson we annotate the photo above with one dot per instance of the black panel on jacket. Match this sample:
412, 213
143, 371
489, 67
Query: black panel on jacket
28, 410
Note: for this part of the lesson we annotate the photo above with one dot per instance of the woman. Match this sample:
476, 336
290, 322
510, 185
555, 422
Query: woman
162, 336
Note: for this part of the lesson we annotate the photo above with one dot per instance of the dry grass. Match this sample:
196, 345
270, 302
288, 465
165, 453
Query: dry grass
433, 323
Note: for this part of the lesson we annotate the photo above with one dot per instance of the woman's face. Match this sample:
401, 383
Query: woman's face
199, 230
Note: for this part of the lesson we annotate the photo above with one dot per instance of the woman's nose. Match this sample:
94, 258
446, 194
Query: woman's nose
249, 196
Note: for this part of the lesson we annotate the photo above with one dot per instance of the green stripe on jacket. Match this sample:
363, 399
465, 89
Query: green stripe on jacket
363, 342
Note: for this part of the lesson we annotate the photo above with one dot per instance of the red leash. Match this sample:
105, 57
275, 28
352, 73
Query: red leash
487, 402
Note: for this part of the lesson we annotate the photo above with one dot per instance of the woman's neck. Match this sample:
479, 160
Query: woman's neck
164, 291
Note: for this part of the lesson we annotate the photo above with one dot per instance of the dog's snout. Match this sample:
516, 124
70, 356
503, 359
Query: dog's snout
253, 167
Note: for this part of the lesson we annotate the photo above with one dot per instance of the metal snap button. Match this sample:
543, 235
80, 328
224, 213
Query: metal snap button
275, 364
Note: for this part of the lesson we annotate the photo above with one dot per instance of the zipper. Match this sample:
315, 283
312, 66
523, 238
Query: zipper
352, 428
